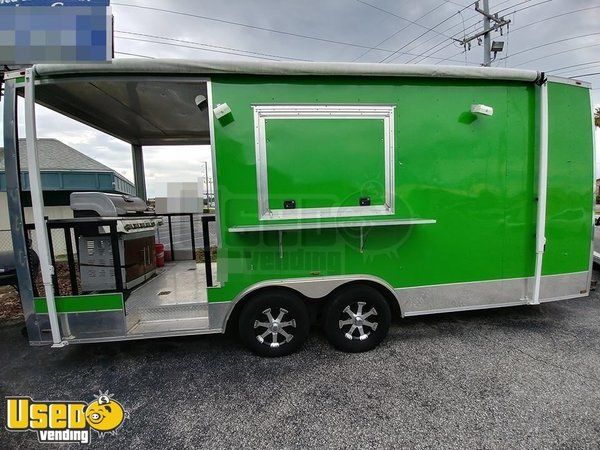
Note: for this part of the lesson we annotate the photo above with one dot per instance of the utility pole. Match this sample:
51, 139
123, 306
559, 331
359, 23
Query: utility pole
491, 22
487, 43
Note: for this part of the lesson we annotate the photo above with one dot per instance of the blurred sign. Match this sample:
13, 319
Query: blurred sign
36, 31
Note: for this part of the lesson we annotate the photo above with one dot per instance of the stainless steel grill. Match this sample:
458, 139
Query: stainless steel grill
136, 226
86, 204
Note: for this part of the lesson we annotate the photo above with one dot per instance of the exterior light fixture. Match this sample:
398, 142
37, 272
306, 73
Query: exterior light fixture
497, 46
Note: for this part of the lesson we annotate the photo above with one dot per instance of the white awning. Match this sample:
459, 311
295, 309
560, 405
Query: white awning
206, 67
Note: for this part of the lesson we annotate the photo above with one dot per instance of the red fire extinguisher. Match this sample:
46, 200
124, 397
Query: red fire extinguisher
160, 255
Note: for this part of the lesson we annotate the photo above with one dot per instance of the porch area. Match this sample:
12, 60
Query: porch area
174, 300
118, 293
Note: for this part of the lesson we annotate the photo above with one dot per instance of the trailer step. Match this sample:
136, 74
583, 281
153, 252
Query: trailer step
153, 327
191, 310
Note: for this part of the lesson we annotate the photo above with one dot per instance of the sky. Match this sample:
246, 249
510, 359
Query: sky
415, 32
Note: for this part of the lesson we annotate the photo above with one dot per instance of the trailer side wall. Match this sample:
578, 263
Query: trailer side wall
475, 175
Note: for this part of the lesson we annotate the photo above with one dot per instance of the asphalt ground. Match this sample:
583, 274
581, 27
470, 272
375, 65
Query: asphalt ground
521, 377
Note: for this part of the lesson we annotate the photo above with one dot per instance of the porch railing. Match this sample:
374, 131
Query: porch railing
73, 228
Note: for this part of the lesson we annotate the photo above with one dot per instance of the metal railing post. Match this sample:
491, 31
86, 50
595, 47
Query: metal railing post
171, 238
114, 241
33, 274
206, 249
52, 259
71, 261
193, 236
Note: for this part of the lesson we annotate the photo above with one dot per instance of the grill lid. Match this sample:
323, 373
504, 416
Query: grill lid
106, 205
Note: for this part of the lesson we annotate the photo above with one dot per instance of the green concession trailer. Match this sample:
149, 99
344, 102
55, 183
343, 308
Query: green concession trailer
346, 195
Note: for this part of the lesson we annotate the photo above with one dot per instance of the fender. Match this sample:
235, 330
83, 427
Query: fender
314, 287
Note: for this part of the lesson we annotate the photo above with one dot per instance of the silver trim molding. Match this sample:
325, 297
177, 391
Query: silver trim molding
357, 112
415, 301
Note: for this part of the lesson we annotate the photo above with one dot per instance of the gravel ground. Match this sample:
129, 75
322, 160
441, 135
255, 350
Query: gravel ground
523, 377
10, 304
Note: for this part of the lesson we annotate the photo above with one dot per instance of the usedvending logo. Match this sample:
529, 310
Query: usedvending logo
65, 421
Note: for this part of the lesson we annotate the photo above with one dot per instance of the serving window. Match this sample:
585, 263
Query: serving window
324, 161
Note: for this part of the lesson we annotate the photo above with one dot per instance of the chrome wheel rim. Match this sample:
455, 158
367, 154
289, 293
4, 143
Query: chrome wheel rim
358, 321
274, 331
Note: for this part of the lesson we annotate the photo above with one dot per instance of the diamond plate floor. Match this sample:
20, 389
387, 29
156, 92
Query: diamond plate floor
173, 300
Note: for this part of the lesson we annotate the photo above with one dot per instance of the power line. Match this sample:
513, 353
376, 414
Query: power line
473, 25
134, 54
507, 41
512, 6
511, 13
196, 48
445, 30
454, 3
400, 30
464, 30
587, 68
423, 56
493, 22
585, 75
505, 2
209, 45
526, 7
514, 30
253, 27
415, 39
443, 41
550, 43
556, 53
413, 22
452, 27
421, 35
445, 59
572, 65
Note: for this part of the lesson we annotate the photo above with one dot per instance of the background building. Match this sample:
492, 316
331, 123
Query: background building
64, 170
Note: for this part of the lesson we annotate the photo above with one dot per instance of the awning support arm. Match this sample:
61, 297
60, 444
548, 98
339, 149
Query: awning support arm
37, 203
139, 177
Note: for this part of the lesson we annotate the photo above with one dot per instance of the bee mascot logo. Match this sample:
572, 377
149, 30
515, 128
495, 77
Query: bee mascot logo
65, 421
104, 414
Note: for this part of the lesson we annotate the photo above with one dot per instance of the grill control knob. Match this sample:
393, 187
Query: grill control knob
127, 227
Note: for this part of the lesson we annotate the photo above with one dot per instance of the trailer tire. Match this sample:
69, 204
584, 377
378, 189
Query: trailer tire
357, 319
274, 323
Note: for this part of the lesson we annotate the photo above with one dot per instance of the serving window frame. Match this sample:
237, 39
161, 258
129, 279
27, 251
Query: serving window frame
264, 112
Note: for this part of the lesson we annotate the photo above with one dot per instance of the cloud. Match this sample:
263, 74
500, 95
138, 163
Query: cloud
337, 20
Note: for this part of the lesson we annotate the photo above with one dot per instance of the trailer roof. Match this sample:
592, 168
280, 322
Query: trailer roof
151, 101
207, 67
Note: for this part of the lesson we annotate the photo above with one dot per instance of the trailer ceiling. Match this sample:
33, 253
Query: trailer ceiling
138, 111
